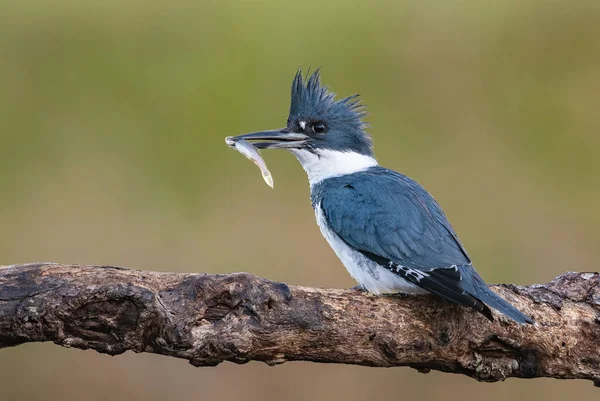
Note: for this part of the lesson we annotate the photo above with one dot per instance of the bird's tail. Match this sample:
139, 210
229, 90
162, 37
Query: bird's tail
475, 286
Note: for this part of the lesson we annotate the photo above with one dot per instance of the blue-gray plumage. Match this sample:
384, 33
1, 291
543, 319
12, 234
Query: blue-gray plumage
387, 230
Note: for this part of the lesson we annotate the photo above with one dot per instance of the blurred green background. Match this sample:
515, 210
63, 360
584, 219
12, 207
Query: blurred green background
113, 115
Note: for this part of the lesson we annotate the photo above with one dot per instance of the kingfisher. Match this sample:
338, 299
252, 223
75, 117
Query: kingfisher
387, 230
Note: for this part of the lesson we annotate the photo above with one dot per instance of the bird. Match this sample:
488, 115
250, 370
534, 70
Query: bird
388, 231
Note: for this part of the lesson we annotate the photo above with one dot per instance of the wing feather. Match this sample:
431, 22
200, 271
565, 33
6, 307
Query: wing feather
394, 217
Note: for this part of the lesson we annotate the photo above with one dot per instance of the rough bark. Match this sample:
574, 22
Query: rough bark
208, 319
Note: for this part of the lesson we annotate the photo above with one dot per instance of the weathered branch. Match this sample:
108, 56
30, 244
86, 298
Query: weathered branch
208, 319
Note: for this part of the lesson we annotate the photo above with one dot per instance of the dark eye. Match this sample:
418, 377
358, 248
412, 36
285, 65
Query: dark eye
319, 128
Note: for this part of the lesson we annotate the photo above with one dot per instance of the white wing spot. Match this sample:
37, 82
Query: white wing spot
414, 274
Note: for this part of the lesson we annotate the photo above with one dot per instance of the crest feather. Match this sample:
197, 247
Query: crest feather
315, 100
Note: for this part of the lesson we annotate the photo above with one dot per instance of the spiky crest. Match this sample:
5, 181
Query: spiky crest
316, 101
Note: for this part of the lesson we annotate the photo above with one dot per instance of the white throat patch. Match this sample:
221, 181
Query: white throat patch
331, 163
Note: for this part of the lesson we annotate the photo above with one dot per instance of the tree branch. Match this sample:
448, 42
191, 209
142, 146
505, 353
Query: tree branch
208, 319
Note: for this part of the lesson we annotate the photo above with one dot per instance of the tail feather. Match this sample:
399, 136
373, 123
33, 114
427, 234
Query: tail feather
475, 286
460, 284
446, 283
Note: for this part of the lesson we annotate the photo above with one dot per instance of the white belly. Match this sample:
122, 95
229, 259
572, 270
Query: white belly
369, 274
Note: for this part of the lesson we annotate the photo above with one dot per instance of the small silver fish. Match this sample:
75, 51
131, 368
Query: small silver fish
252, 153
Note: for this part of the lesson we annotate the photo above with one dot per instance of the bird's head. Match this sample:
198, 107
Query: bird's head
326, 135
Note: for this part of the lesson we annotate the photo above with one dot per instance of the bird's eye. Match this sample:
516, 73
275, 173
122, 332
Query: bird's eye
319, 128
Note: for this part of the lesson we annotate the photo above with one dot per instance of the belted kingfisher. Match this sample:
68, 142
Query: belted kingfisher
388, 231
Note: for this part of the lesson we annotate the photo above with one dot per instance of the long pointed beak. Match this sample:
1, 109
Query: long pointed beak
274, 139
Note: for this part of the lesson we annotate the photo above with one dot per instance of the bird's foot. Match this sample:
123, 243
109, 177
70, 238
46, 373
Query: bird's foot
358, 288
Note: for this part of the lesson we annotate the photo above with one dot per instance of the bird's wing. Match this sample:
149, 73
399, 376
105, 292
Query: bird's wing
393, 217
395, 222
